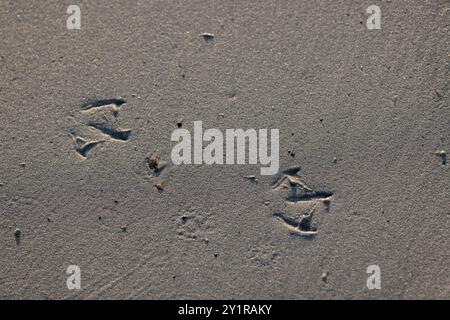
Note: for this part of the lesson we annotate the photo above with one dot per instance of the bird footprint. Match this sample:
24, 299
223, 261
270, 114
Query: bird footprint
300, 204
97, 123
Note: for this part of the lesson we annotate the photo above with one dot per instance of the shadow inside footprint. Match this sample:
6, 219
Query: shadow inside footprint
118, 134
302, 227
102, 103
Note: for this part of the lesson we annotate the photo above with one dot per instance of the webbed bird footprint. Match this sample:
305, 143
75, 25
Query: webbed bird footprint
301, 201
96, 123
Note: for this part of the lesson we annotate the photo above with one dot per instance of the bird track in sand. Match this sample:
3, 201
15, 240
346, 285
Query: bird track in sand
301, 203
97, 123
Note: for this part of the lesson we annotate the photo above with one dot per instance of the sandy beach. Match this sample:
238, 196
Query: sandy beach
87, 176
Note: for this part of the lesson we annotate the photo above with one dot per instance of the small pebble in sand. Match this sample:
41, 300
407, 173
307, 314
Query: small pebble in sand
443, 155
17, 234
438, 93
124, 228
155, 163
324, 276
159, 186
180, 120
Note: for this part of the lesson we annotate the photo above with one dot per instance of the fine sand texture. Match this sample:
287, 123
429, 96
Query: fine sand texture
86, 176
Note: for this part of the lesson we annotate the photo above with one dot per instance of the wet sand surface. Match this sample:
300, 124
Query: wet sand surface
86, 176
